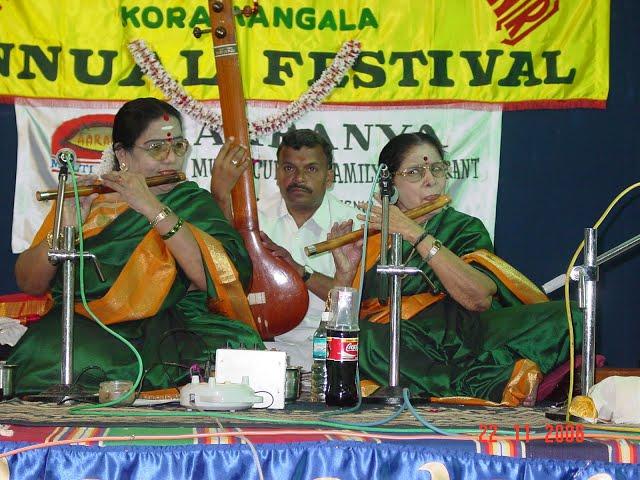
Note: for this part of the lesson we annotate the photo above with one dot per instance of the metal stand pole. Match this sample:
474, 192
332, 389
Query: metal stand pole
395, 313
66, 391
587, 277
392, 394
68, 274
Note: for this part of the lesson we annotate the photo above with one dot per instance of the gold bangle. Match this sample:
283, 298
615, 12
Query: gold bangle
162, 214
173, 231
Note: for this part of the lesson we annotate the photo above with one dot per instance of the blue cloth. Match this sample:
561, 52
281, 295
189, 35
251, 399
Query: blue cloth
307, 460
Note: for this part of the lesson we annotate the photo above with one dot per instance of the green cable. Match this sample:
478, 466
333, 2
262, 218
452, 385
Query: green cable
83, 408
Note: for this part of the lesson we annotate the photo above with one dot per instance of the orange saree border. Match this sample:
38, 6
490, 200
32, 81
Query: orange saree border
232, 301
129, 298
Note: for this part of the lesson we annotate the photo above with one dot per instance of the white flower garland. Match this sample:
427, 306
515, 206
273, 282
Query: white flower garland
180, 99
107, 161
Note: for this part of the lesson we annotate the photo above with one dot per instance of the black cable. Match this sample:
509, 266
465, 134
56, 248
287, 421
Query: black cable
173, 331
164, 364
85, 370
268, 393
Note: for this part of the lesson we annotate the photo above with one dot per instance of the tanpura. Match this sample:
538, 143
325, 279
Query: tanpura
277, 295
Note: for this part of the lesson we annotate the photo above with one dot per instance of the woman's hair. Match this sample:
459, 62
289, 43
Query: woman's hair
394, 151
134, 117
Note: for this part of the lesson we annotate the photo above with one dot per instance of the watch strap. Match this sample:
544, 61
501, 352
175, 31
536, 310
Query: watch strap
307, 272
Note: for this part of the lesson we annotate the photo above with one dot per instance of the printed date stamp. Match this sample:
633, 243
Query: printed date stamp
553, 432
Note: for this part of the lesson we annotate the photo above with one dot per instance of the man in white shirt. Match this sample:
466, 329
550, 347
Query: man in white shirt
301, 214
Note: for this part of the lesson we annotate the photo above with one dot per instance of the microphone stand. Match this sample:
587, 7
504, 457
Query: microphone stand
66, 391
386, 191
392, 394
587, 275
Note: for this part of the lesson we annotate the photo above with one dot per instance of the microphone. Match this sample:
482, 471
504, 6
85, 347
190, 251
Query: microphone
389, 193
66, 156
385, 185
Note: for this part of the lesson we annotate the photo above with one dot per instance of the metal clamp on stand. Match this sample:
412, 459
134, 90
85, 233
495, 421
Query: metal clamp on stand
392, 394
66, 254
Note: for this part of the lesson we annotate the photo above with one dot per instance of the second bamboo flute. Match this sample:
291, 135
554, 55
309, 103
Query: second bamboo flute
84, 190
414, 213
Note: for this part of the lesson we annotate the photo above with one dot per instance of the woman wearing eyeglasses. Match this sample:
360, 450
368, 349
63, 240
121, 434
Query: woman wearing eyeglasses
473, 336
164, 251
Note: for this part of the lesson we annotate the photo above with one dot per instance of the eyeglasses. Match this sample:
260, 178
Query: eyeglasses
417, 173
159, 149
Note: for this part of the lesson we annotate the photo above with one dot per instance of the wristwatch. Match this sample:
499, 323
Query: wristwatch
306, 275
435, 248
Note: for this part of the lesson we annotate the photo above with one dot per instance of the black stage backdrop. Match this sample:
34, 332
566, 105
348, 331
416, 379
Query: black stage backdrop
559, 171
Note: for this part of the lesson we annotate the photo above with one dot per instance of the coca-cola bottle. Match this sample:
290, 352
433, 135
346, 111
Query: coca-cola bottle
342, 348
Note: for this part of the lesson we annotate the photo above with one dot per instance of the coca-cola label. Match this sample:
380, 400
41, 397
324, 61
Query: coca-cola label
342, 349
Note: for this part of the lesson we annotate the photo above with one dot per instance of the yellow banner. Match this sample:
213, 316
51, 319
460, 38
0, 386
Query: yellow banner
522, 53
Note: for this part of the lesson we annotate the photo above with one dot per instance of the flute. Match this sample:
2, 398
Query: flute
84, 190
414, 213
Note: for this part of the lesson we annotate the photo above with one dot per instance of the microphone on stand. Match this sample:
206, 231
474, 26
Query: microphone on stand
388, 196
66, 156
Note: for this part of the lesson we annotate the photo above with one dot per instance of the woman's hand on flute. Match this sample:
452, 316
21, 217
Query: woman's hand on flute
398, 222
346, 257
134, 190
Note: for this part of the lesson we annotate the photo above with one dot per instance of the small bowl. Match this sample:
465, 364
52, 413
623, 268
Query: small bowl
115, 389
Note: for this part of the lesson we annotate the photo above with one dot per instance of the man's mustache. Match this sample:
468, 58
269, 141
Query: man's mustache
298, 186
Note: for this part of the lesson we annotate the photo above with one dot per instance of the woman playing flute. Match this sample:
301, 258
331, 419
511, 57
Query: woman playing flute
164, 250
474, 336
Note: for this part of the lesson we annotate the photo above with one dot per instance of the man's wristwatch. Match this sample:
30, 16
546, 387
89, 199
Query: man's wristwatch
307, 272
435, 248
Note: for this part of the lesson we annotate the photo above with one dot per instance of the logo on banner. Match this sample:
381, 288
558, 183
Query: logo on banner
521, 17
88, 136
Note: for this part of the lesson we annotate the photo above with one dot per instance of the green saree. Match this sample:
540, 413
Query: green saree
448, 351
181, 330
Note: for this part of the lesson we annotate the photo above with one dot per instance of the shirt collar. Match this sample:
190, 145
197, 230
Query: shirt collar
320, 218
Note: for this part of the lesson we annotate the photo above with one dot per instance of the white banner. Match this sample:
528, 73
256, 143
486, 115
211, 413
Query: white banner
472, 139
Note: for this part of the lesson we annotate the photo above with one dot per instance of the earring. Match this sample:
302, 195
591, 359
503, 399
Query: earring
123, 167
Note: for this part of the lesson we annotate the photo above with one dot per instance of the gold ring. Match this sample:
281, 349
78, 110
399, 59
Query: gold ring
235, 162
